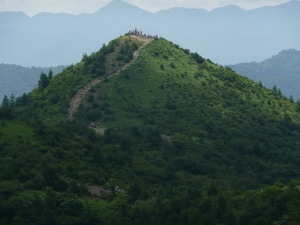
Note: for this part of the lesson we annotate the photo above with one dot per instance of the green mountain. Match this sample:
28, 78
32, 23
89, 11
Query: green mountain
282, 70
17, 80
145, 132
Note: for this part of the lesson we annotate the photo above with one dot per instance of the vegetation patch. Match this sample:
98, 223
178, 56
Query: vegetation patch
186, 142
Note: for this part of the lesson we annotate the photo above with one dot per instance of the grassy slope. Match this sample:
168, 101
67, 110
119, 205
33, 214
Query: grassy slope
191, 89
223, 117
52, 102
217, 119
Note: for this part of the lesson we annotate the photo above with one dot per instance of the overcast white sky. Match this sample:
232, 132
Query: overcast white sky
32, 7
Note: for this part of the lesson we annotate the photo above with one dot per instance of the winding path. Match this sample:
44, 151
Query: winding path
77, 98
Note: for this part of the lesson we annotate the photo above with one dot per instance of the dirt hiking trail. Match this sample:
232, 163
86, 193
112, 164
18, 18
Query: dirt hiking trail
77, 98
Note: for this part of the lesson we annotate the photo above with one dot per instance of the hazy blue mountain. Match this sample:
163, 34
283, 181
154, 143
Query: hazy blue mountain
17, 80
226, 35
281, 70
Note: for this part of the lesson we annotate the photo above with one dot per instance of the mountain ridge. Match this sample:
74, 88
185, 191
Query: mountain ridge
230, 153
277, 31
281, 70
75, 101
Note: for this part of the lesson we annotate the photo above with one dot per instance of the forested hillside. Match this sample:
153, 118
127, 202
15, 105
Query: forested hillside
281, 70
17, 80
185, 142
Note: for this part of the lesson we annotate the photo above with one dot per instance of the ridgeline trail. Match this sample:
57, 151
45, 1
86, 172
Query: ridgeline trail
77, 98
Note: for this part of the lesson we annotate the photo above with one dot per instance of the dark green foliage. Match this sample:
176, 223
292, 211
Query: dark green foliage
45, 79
298, 106
5, 102
197, 57
50, 74
126, 51
193, 143
23, 100
90, 98
94, 64
6, 108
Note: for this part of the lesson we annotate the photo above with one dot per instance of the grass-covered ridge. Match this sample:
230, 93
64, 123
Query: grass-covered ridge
52, 101
209, 111
166, 83
167, 80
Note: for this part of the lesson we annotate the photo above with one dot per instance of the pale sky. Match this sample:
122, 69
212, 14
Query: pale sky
32, 7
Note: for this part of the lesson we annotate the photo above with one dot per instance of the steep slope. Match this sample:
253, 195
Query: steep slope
281, 70
171, 92
175, 75
223, 135
53, 101
75, 101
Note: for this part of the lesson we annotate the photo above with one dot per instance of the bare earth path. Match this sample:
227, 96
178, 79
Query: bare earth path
75, 101
97, 190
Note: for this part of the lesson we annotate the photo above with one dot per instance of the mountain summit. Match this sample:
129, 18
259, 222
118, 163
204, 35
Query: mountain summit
234, 35
146, 132
116, 7
140, 82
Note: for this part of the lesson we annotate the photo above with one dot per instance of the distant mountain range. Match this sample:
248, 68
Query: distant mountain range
281, 70
226, 35
18, 79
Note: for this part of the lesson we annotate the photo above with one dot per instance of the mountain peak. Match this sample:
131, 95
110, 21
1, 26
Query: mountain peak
117, 3
118, 6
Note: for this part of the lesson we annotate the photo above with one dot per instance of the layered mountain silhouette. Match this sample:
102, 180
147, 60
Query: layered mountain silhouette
281, 70
18, 79
226, 35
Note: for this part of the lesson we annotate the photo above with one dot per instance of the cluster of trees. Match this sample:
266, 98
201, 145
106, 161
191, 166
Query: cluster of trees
8, 104
47, 207
276, 204
126, 51
45, 79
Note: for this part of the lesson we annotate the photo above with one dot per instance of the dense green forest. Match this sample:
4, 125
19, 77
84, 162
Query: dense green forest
17, 80
187, 141
281, 70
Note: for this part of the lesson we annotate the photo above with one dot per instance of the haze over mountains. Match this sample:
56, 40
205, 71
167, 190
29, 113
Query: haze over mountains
226, 35
281, 70
18, 79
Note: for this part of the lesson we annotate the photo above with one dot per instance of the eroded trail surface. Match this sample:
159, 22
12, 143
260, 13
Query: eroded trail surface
77, 98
